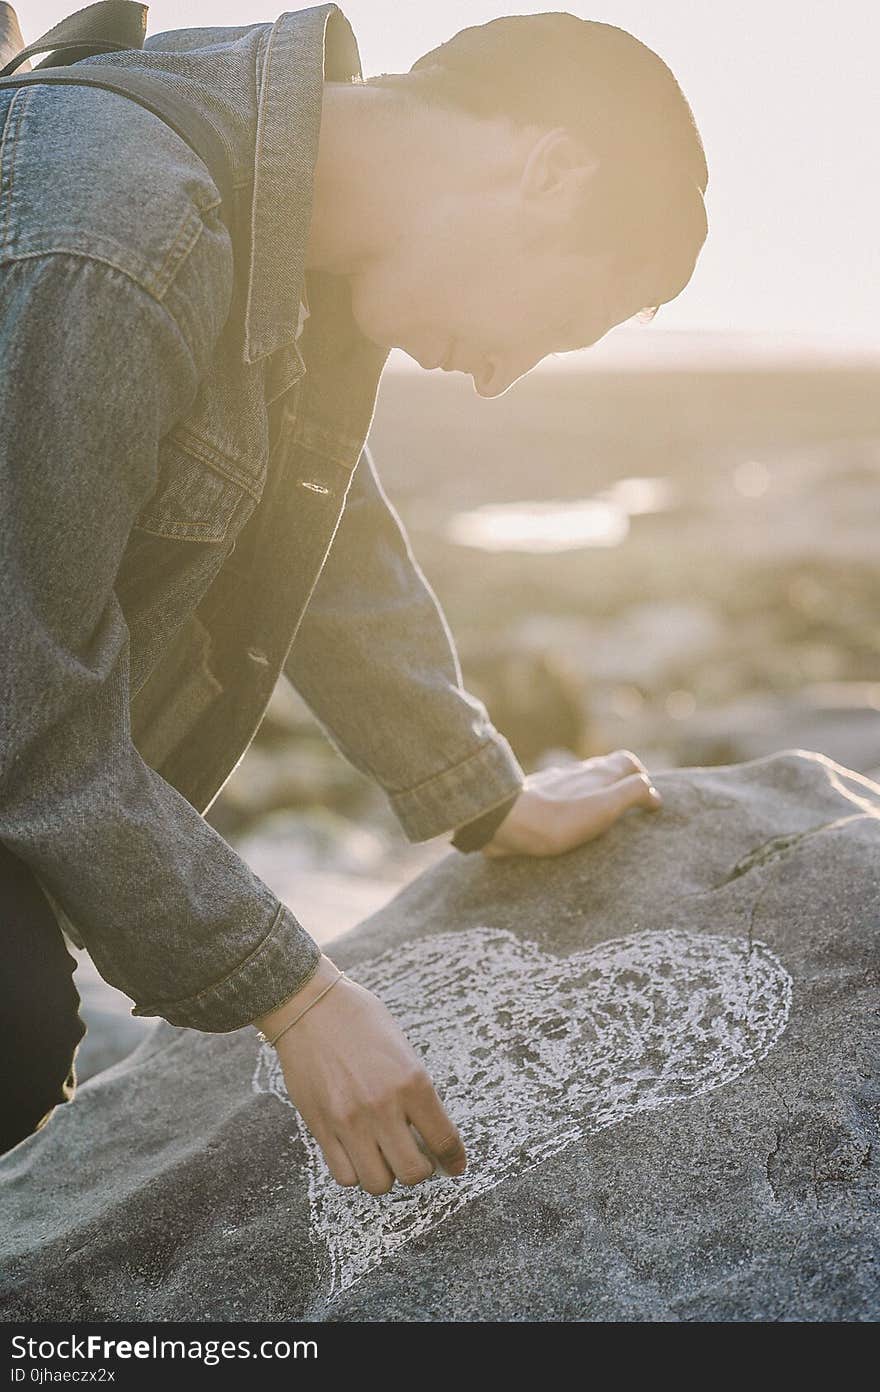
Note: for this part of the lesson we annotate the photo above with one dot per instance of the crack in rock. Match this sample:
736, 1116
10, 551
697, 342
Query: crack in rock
778, 846
770, 1168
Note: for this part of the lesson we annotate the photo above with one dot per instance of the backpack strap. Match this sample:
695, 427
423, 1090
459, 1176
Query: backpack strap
158, 97
104, 27
112, 26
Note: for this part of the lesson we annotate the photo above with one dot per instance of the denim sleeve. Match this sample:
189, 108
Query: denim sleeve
95, 371
375, 661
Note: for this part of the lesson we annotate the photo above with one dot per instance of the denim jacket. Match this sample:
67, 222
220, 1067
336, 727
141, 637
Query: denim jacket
190, 510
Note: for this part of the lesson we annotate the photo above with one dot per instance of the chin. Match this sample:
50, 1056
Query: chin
370, 311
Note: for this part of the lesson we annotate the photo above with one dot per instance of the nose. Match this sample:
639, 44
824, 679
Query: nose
496, 374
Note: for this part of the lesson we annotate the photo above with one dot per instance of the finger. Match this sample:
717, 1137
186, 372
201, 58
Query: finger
338, 1162
602, 809
620, 764
628, 761
410, 1164
373, 1173
441, 1137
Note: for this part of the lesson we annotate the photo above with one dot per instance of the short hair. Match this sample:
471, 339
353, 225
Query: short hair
620, 101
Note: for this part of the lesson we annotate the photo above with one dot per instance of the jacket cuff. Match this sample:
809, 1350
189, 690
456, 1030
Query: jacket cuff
461, 793
278, 967
473, 836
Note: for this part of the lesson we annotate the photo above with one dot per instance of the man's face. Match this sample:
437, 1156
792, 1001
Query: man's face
475, 286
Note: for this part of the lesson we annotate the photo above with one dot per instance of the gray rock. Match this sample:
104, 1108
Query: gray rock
839, 719
112, 1032
661, 1049
645, 644
317, 840
278, 776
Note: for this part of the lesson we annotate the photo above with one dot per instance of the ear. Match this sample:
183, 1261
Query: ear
557, 170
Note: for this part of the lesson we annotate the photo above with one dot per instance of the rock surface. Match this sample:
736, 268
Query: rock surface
661, 1049
112, 1032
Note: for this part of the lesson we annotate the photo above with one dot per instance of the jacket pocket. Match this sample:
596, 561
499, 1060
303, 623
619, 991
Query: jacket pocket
175, 696
194, 499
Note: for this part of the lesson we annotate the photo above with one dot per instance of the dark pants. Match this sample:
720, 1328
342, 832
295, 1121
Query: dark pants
39, 1007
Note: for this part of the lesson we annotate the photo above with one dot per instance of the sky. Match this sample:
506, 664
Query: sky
784, 93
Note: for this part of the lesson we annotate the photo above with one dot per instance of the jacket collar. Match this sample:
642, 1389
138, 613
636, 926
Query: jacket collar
300, 52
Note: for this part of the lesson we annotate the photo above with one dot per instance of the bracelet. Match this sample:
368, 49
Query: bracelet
290, 1024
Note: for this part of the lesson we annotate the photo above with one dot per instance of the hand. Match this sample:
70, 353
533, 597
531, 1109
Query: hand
359, 1086
560, 808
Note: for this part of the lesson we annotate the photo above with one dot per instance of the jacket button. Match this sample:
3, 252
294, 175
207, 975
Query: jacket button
257, 655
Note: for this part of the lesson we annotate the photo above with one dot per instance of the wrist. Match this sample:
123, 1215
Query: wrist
476, 834
275, 1019
529, 829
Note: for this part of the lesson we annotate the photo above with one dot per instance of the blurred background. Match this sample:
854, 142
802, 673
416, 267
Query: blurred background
668, 542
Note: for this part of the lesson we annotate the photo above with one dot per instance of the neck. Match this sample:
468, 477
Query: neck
380, 157
358, 156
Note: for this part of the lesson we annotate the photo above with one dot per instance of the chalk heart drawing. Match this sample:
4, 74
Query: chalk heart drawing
532, 1052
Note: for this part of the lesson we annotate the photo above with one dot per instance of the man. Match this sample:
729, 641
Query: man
191, 509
